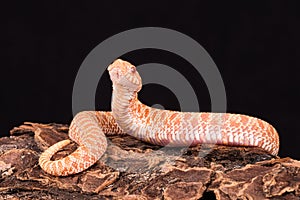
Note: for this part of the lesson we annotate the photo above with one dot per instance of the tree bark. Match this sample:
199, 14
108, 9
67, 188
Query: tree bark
131, 169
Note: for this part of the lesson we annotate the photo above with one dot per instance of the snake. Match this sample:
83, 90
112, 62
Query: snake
152, 125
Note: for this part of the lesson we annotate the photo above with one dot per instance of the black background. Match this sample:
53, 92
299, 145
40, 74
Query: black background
256, 47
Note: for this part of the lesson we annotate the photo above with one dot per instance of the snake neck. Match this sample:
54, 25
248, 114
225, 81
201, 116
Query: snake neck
122, 105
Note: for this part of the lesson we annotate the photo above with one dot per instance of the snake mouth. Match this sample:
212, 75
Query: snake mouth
131, 77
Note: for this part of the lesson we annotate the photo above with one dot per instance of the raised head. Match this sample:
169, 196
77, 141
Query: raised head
124, 74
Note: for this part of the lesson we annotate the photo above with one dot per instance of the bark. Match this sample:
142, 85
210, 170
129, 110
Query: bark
131, 169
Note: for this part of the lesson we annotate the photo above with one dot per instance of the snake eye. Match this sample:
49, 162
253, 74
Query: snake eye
132, 69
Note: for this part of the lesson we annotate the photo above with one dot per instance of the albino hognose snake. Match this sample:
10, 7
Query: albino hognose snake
160, 127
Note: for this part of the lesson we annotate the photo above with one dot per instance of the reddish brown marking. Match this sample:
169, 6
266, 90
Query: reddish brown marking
194, 121
74, 165
145, 116
60, 165
205, 117
172, 116
244, 119
146, 113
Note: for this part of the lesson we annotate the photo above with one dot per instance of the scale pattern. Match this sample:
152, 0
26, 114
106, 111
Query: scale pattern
160, 127
87, 129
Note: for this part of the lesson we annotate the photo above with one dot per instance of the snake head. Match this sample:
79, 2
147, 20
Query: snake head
124, 74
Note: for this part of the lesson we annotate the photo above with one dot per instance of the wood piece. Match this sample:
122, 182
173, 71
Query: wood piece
131, 169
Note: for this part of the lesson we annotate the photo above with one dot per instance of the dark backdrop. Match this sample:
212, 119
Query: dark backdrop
255, 46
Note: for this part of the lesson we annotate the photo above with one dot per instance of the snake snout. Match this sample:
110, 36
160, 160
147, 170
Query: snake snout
114, 74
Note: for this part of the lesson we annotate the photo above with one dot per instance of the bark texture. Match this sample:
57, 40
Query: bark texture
131, 169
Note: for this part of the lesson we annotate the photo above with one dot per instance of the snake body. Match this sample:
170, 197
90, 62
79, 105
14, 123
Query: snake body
156, 126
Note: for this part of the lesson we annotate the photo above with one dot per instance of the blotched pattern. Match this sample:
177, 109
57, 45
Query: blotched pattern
88, 130
161, 127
